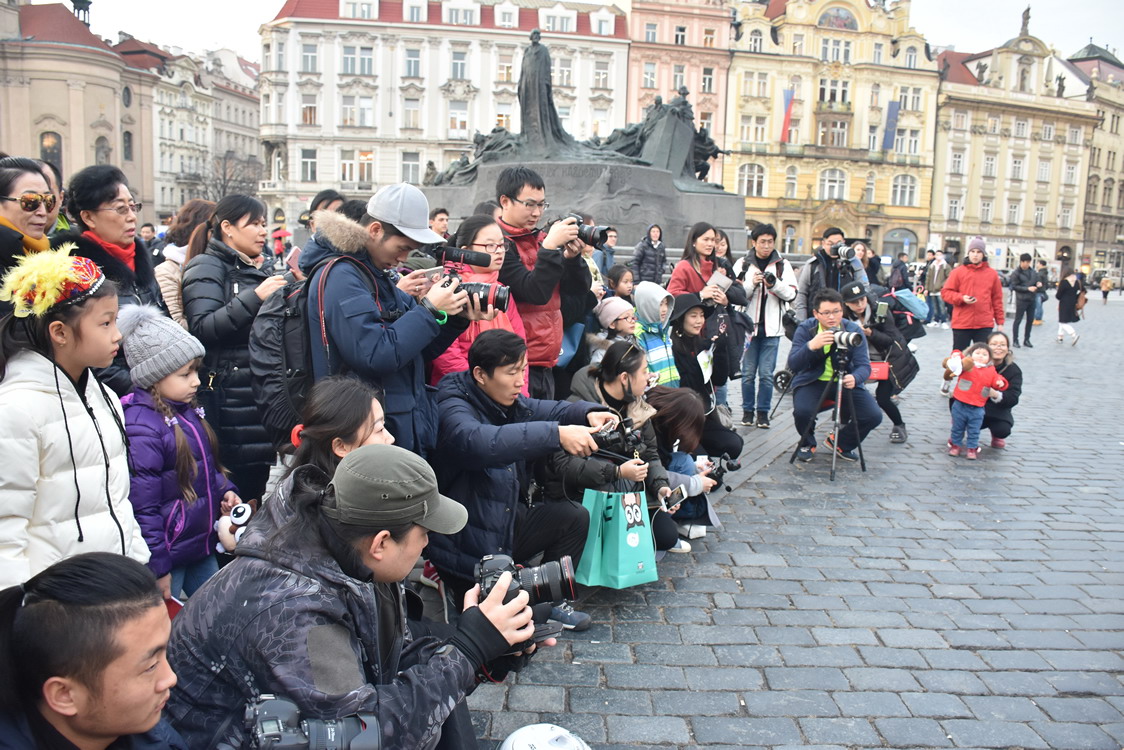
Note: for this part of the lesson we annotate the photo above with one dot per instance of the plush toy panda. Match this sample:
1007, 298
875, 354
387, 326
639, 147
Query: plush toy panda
231, 528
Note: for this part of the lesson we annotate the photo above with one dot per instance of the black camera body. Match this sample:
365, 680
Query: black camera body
769, 278
596, 236
621, 441
274, 722
546, 583
722, 466
844, 251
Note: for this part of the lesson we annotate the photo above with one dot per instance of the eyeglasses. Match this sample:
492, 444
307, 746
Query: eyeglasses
489, 247
123, 209
30, 201
533, 204
829, 313
627, 317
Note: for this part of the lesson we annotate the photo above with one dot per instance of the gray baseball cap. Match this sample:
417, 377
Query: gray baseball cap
382, 486
405, 207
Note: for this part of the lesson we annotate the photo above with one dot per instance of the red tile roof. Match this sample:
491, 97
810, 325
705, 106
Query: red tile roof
958, 71
56, 23
310, 9
776, 8
138, 54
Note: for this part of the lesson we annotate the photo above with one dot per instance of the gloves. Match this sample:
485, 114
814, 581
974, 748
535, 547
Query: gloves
995, 396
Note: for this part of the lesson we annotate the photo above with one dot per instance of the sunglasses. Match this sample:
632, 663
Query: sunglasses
30, 201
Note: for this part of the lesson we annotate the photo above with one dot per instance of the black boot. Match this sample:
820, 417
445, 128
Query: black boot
1028, 345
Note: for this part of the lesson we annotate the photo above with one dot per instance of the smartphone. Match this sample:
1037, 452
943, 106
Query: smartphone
881, 310
678, 495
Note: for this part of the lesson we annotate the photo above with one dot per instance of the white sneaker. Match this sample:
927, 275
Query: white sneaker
681, 547
692, 530
944, 326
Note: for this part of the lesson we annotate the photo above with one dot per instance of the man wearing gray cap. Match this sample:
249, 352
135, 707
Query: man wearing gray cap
313, 610
375, 330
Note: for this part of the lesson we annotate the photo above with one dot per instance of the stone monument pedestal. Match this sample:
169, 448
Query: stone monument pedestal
626, 196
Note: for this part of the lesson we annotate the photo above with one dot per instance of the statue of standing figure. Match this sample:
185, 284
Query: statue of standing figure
542, 128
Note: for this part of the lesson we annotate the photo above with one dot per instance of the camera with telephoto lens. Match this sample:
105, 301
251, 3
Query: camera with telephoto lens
546, 583
449, 254
485, 293
769, 278
591, 235
844, 251
620, 439
847, 339
273, 722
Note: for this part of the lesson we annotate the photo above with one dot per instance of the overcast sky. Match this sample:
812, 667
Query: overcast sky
969, 25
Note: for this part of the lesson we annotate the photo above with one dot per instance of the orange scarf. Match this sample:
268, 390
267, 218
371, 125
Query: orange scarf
30, 244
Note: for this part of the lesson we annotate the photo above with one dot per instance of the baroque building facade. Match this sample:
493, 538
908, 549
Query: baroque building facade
830, 115
1012, 153
360, 94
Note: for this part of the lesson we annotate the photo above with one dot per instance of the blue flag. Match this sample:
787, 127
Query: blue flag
891, 126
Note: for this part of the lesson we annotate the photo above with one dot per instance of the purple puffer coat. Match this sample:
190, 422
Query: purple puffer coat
177, 533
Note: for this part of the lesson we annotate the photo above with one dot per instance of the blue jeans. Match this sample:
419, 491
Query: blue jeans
188, 578
936, 309
758, 362
966, 419
720, 394
1038, 307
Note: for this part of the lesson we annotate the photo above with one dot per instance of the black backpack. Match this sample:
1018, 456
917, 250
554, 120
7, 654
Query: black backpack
280, 349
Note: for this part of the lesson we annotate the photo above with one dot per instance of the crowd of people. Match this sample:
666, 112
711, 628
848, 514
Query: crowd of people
462, 384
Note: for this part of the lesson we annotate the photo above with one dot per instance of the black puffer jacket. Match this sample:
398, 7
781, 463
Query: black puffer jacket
133, 288
887, 342
649, 259
220, 303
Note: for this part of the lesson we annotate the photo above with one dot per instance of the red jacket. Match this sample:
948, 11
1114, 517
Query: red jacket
979, 281
975, 385
542, 322
686, 280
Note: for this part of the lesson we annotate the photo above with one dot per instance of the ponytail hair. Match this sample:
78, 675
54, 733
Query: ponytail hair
64, 621
337, 407
232, 208
624, 356
187, 469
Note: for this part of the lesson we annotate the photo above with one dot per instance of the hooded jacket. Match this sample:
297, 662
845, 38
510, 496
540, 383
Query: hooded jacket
220, 303
177, 532
775, 300
566, 476
390, 354
649, 259
654, 333
982, 282
822, 270
538, 279
61, 494
286, 619
134, 287
483, 449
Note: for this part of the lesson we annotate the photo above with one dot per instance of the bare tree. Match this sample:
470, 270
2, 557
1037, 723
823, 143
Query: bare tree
228, 174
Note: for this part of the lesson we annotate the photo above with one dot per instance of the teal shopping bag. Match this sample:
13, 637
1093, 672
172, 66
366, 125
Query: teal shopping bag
628, 554
589, 569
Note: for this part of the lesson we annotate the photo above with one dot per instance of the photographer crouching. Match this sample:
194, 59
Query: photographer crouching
817, 359
313, 610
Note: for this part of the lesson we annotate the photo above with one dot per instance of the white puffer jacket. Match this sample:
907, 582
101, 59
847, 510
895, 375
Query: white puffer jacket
41, 515
776, 300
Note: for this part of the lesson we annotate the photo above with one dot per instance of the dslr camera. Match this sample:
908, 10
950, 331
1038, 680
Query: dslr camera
273, 722
544, 584
596, 236
769, 278
844, 251
847, 339
496, 295
619, 441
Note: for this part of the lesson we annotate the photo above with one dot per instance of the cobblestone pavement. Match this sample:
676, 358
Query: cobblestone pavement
931, 602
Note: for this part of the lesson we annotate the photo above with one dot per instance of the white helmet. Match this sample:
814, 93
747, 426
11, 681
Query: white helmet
543, 737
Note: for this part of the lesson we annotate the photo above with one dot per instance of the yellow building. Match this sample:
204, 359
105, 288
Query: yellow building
857, 149
1012, 152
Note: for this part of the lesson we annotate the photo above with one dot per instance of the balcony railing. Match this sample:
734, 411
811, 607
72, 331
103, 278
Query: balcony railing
844, 107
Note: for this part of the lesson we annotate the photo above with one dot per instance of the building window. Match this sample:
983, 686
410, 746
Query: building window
601, 74
308, 58
755, 41
1074, 138
1070, 177
992, 125
798, 44
1106, 194
903, 191
876, 95
915, 99
1066, 219
366, 61
872, 138
505, 73
1021, 128
414, 13
413, 64
349, 167
350, 61
678, 76
1012, 212
649, 80
458, 119
985, 212
127, 145
957, 162
833, 185
681, 35
878, 53
411, 114
563, 72
463, 16
1044, 170
265, 110
835, 50
751, 180
911, 57
503, 115
833, 133
1039, 215
280, 56
762, 83
564, 117
989, 165
459, 69
308, 109
265, 58
1016, 168
706, 121
834, 90
649, 32
790, 182
601, 121
709, 36
604, 26
954, 209
281, 107
760, 129
308, 165
507, 19
411, 167
1047, 131
708, 80
959, 120
746, 132
914, 142
557, 23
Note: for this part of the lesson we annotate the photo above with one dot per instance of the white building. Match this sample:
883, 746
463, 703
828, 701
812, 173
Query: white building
364, 95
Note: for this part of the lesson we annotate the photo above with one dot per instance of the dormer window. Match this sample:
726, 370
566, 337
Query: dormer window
358, 10
557, 23
506, 19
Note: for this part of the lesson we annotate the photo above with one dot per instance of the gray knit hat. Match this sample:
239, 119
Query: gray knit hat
155, 345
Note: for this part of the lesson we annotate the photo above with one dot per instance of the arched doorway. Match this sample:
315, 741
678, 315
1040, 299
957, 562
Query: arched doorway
900, 241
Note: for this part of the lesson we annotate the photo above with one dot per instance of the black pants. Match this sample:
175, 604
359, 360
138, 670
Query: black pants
1024, 306
720, 441
542, 383
665, 532
999, 428
806, 404
882, 395
962, 338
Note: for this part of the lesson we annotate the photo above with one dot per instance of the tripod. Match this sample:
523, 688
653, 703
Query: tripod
839, 363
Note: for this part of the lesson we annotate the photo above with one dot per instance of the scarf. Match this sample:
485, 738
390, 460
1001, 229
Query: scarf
30, 244
127, 255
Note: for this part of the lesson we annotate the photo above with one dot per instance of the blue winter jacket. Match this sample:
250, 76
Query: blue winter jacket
387, 354
16, 733
177, 533
807, 365
480, 460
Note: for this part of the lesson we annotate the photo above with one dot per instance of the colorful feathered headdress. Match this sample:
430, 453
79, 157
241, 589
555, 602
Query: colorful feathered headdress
44, 280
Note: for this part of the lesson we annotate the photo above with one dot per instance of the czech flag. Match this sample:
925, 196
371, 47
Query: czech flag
789, 96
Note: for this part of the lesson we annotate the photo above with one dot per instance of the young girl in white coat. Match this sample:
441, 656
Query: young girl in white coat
64, 487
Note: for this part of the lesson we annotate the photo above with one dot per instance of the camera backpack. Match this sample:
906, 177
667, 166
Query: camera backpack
280, 348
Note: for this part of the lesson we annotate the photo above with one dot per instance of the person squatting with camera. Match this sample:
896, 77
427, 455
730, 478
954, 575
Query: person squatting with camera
826, 348
489, 434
